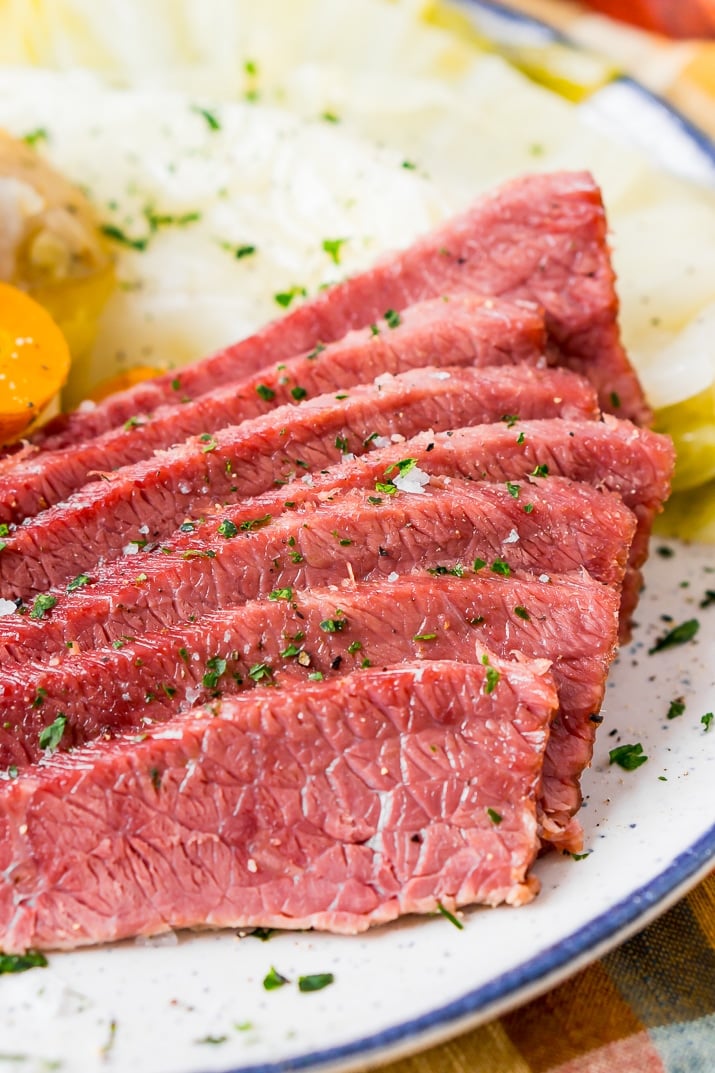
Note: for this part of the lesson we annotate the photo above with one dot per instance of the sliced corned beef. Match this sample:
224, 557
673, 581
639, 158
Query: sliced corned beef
556, 525
540, 238
634, 463
463, 331
151, 498
337, 805
571, 622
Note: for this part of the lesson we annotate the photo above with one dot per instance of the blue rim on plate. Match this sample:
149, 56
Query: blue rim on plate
546, 968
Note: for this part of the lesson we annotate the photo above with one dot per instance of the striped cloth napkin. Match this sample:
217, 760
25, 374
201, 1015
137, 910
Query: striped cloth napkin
649, 1006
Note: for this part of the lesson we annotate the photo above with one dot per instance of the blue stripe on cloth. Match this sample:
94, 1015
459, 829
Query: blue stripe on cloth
687, 1048
667, 972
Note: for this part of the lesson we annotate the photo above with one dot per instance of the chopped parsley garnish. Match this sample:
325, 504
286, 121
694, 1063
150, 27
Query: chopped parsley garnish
251, 68
386, 487
510, 419
273, 979
403, 466
629, 757
528, 507
34, 137
215, 668
679, 635
78, 583
51, 736
447, 571
354, 646
187, 527
261, 672
281, 594
333, 625
494, 816
298, 392
264, 392
43, 603
330, 117
425, 637
192, 553
227, 529
707, 720
492, 678
239, 252
290, 650
708, 599
316, 676
522, 613
157, 219
676, 708
32, 959
450, 917
520, 438
209, 443
117, 235
284, 298
318, 349
478, 565
409, 165
132, 422
210, 118
255, 523
392, 318
39, 697
295, 557
542, 470
501, 567
341, 443
332, 247
213, 1040
316, 981
514, 490
615, 399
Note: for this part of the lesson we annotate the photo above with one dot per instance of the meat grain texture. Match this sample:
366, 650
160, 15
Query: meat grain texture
325, 643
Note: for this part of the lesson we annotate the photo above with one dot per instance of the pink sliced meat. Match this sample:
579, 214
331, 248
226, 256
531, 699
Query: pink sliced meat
570, 622
463, 331
337, 805
154, 496
538, 525
541, 238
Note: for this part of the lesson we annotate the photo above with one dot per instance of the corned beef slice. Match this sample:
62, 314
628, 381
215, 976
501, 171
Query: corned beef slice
634, 463
540, 238
152, 498
571, 622
336, 805
463, 331
552, 524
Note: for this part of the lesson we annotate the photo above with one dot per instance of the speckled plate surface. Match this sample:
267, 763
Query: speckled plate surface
195, 1003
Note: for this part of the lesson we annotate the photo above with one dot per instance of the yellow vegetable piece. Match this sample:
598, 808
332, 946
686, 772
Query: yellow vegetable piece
122, 381
34, 361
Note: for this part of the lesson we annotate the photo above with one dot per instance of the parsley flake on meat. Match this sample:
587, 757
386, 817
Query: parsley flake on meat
51, 736
227, 529
44, 602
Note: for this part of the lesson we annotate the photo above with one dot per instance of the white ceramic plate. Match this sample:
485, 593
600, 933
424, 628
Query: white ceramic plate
194, 1004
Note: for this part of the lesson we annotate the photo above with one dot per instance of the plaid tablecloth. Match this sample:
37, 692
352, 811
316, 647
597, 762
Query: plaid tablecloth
649, 1006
